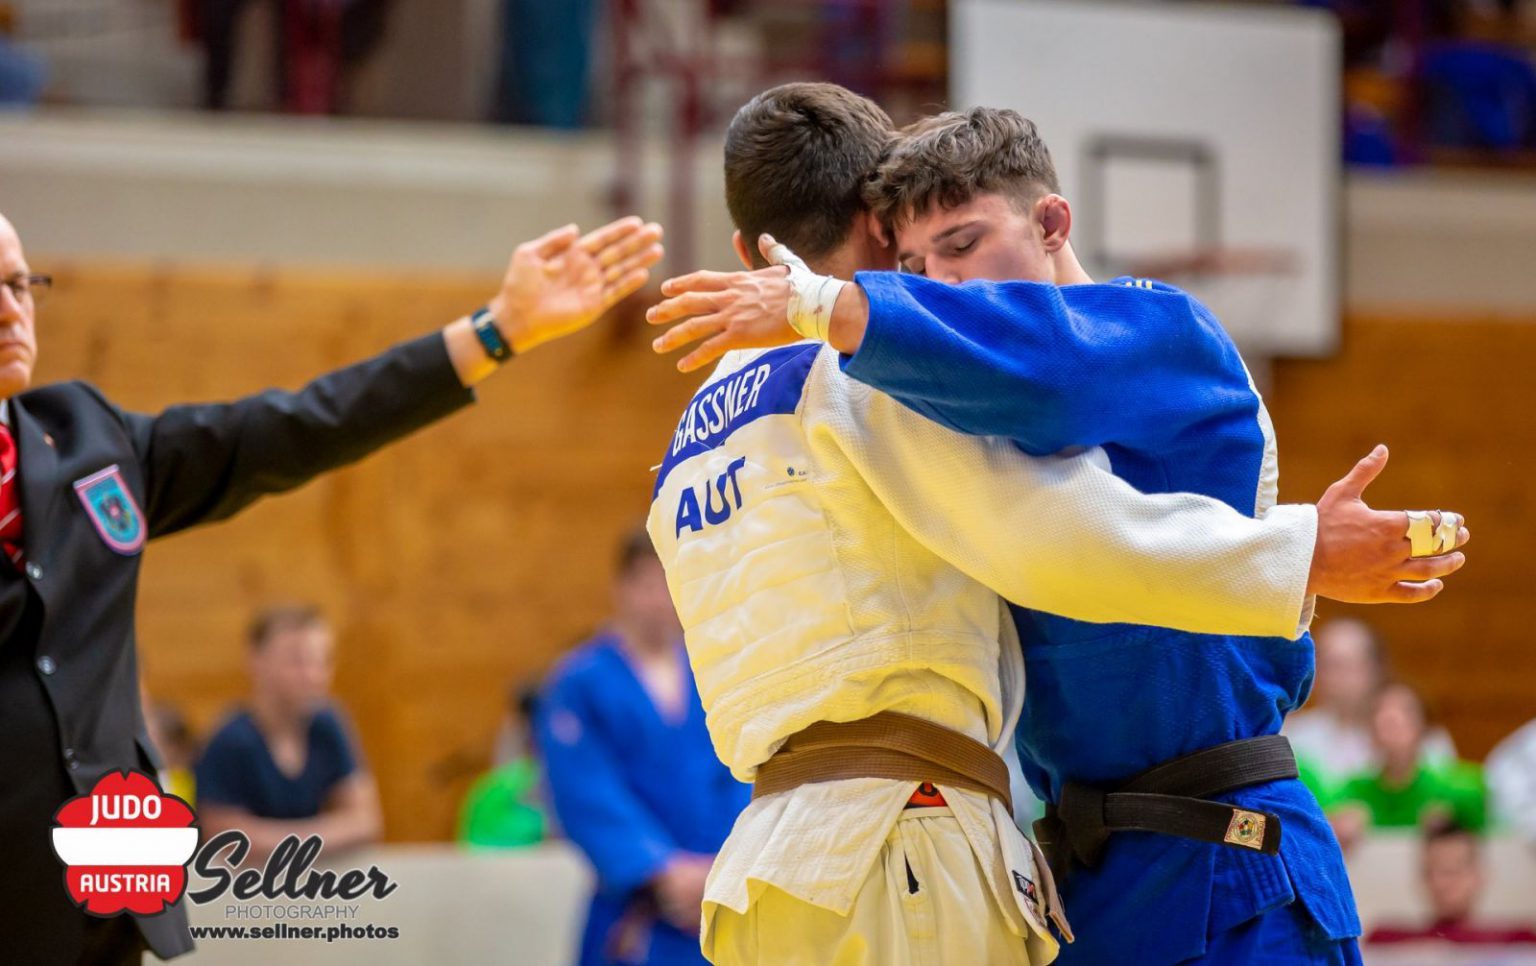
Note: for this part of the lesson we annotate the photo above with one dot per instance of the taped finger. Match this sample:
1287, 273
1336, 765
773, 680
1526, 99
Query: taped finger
1448, 531
1421, 534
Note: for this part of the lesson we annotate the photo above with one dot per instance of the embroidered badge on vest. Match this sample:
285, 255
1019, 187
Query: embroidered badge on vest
112, 510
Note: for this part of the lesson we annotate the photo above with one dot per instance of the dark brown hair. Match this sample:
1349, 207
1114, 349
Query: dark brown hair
1427, 717
281, 619
635, 548
950, 158
796, 158
1440, 827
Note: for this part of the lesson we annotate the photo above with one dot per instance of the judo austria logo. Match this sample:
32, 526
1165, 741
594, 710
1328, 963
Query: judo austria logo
125, 845
112, 510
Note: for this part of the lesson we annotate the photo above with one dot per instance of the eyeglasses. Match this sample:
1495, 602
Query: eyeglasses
35, 287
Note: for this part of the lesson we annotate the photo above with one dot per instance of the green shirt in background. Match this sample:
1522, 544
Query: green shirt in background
1316, 780
503, 809
1455, 790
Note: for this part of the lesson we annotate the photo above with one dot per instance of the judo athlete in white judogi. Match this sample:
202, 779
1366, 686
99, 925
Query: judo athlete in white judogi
836, 558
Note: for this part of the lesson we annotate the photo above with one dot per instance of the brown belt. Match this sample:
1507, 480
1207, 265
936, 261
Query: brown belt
884, 745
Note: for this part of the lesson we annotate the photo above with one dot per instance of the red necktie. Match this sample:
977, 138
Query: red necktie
10, 500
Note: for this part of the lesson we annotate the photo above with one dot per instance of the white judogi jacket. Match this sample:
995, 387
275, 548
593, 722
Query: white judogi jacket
832, 554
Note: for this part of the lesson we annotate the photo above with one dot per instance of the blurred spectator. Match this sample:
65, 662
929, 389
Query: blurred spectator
1510, 771
546, 55
504, 807
1325, 787
1453, 879
288, 764
1446, 79
1367, 26
1332, 734
1405, 791
1479, 95
316, 42
514, 735
633, 775
173, 738
22, 73
172, 742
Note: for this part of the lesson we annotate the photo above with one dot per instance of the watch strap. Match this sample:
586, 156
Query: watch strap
489, 333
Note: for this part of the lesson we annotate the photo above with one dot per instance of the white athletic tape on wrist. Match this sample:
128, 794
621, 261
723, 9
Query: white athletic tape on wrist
1428, 540
811, 296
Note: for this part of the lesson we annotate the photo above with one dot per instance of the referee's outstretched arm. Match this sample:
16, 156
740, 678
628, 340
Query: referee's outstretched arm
205, 462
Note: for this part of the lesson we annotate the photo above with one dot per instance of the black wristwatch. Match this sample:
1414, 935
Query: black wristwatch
489, 333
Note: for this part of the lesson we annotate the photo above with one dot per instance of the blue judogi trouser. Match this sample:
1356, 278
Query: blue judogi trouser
1282, 936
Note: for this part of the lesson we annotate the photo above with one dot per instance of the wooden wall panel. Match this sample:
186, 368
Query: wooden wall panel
461, 560
1453, 398
473, 554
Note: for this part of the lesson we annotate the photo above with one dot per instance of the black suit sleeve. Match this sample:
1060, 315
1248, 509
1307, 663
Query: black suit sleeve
206, 462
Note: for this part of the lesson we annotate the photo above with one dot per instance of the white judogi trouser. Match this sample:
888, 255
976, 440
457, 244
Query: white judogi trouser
925, 902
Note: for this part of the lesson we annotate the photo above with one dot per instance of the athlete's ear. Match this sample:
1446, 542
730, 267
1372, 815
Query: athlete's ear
742, 252
882, 236
878, 253
1055, 217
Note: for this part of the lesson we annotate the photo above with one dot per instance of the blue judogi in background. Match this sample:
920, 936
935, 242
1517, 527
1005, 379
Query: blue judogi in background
1146, 372
632, 788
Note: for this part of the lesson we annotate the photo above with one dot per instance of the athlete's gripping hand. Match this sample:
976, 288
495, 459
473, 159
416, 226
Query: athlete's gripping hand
560, 283
774, 306
1363, 556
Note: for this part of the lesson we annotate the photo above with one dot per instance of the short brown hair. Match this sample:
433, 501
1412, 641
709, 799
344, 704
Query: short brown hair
282, 619
1440, 828
796, 159
635, 548
950, 158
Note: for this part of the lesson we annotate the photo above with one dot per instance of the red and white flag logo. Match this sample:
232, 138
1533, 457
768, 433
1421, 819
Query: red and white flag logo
125, 845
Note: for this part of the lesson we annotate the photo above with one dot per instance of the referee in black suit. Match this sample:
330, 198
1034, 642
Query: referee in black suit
83, 485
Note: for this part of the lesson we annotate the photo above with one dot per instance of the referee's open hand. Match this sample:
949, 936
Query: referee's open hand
560, 283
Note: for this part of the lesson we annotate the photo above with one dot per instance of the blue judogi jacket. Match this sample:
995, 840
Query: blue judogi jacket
1146, 372
631, 788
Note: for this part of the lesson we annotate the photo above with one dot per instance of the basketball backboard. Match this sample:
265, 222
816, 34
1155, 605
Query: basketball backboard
1198, 144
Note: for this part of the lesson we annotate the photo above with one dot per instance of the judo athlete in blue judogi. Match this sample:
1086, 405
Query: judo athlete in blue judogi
633, 777
1144, 371
1242, 866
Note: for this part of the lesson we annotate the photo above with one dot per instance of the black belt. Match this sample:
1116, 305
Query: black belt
1171, 799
